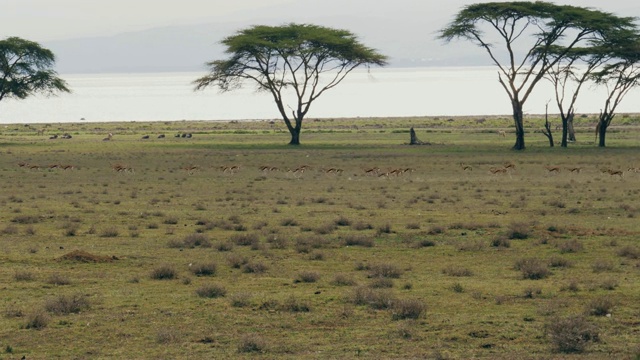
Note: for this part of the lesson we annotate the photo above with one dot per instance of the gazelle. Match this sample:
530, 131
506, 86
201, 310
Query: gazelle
552, 169
108, 138
574, 170
466, 167
502, 133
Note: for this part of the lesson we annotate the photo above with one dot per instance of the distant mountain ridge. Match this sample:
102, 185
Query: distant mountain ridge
189, 47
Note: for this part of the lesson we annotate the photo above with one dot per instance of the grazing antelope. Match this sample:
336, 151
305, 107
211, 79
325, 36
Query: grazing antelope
67, 136
53, 137
372, 171
108, 138
408, 170
509, 166
552, 169
502, 133
299, 171
498, 170
54, 166
615, 173
34, 167
334, 171
466, 167
191, 169
68, 167
575, 170
634, 169
230, 169
22, 164
122, 168
161, 136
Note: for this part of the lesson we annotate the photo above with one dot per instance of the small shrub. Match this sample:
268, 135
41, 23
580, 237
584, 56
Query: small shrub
385, 270
609, 284
236, 261
519, 231
288, 222
571, 246
602, 266
307, 277
110, 232
164, 272
501, 241
342, 221
630, 252
255, 267
24, 276
360, 226
531, 292
532, 269
599, 307
37, 320
359, 240
211, 291
457, 287
385, 229
208, 269
57, 279
67, 304
224, 246
166, 336
425, 243
192, 241
245, 239
457, 271
413, 226
379, 299
252, 343
26, 219
241, 299
343, 280
381, 283
571, 334
172, 220
408, 309
559, 262
325, 229
293, 304
10, 230
437, 230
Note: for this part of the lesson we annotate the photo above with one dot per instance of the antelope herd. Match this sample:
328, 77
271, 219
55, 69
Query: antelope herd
506, 168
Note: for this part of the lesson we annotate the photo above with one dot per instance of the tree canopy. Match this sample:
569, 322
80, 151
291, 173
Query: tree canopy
296, 61
26, 69
531, 33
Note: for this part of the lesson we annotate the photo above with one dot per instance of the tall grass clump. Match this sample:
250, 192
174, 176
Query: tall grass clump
571, 334
532, 269
164, 272
67, 304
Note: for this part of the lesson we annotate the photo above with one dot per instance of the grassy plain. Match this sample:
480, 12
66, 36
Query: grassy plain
156, 261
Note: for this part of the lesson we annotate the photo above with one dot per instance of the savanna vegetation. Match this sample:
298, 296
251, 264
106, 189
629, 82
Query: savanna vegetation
230, 244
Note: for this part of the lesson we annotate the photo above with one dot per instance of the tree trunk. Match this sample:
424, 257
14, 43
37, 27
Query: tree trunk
519, 125
570, 129
602, 134
565, 130
547, 127
295, 136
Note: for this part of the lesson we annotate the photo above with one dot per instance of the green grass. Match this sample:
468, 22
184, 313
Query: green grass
270, 264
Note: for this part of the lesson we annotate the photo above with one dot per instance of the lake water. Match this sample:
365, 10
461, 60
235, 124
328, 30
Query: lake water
378, 93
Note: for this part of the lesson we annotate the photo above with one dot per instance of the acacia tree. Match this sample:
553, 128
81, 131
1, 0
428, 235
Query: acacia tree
297, 60
567, 77
26, 69
528, 31
619, 77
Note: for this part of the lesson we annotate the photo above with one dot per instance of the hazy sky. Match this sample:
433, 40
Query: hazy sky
44, 20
